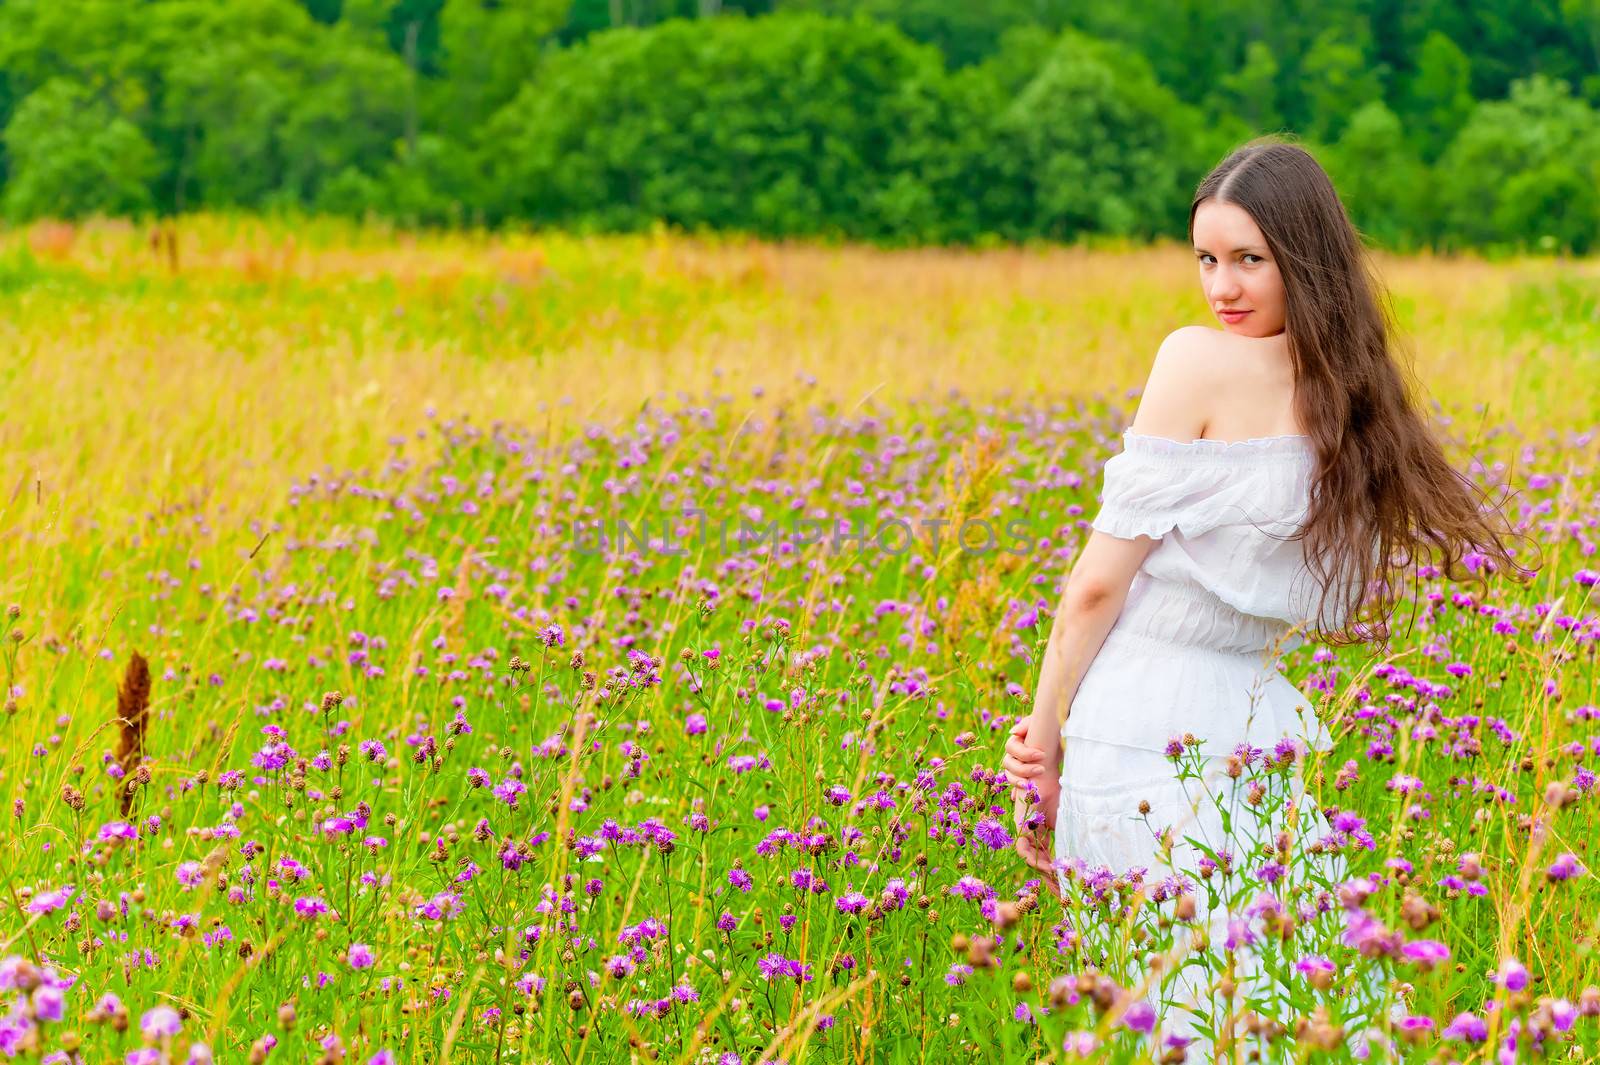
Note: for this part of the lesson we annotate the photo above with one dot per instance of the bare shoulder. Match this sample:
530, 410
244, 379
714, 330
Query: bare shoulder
1186, 371
1207, 382
1202, 356
1192, 356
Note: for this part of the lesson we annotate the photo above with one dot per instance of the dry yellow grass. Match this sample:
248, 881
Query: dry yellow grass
138, 376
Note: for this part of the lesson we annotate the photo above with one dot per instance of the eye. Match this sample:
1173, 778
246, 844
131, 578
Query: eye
1252, 255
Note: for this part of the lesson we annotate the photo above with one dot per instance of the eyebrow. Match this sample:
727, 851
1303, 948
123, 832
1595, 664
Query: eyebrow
1247, 247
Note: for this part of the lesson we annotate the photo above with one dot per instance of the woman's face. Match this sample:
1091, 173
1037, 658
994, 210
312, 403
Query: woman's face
1237, 271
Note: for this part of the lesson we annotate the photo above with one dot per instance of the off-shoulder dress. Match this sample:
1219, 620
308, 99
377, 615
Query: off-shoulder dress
1197, 650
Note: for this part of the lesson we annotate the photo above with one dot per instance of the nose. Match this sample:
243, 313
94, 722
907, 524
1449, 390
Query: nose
1224, 285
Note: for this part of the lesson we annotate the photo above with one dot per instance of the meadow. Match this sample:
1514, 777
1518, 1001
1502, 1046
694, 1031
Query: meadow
347, 719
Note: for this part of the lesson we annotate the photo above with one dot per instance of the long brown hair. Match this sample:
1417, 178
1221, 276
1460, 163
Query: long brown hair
1384, 496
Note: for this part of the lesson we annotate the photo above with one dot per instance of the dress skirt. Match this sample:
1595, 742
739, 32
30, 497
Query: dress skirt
1100, 827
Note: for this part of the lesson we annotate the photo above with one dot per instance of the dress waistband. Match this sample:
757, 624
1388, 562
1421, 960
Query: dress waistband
1173, 613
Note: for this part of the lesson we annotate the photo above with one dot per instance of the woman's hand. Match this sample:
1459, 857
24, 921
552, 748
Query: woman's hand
1024, 766
1037, 855
1024, 763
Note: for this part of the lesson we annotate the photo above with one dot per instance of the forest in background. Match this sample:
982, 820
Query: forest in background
897, 122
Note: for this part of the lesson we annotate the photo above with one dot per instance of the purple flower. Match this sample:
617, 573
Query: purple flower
117, 830
740, 879
443, 905
1239, 934
50, 901
160, 1022
1081, 1044
1140, 1017
189, 875
309, 906
360, 956
852, 902
508, 790
970, 887
1425, 953
992, 834
1468, 1027
1512, 976
1271, 873
49, 1003
1314, 965
777, 965
1565, 867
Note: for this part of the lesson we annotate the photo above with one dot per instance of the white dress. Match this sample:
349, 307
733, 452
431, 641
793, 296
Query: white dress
1194, 650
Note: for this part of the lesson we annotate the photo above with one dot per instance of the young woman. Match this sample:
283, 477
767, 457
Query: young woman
1278, 474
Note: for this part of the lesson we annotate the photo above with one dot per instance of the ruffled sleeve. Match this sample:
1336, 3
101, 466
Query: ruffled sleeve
1155, 486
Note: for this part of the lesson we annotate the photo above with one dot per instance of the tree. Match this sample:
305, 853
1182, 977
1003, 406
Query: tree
488, 52
785, 125
964, 32
1379, 177
1338, 79
1438, 95
1251, 91
1518, 152
276, 104
1554, 206
72, 155
1101, 146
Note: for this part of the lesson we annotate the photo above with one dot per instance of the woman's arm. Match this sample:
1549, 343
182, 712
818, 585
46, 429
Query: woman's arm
1094, 596
1080, 627
1095, 593
1184, 371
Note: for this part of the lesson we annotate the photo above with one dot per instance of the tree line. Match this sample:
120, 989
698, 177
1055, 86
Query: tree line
894, 121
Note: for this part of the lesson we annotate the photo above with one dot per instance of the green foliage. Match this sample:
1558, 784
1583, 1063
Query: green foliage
1379, 177
1099, 145
1506, 177
1339, 79
895, 121
1251, 91
275, 105
1439, 94
488, 52
72, 155
1553, 207
791, 124
964, 32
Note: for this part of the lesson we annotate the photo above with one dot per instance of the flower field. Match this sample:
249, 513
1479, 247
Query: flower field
558, 649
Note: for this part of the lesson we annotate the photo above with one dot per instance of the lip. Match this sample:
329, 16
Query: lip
1232, 316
